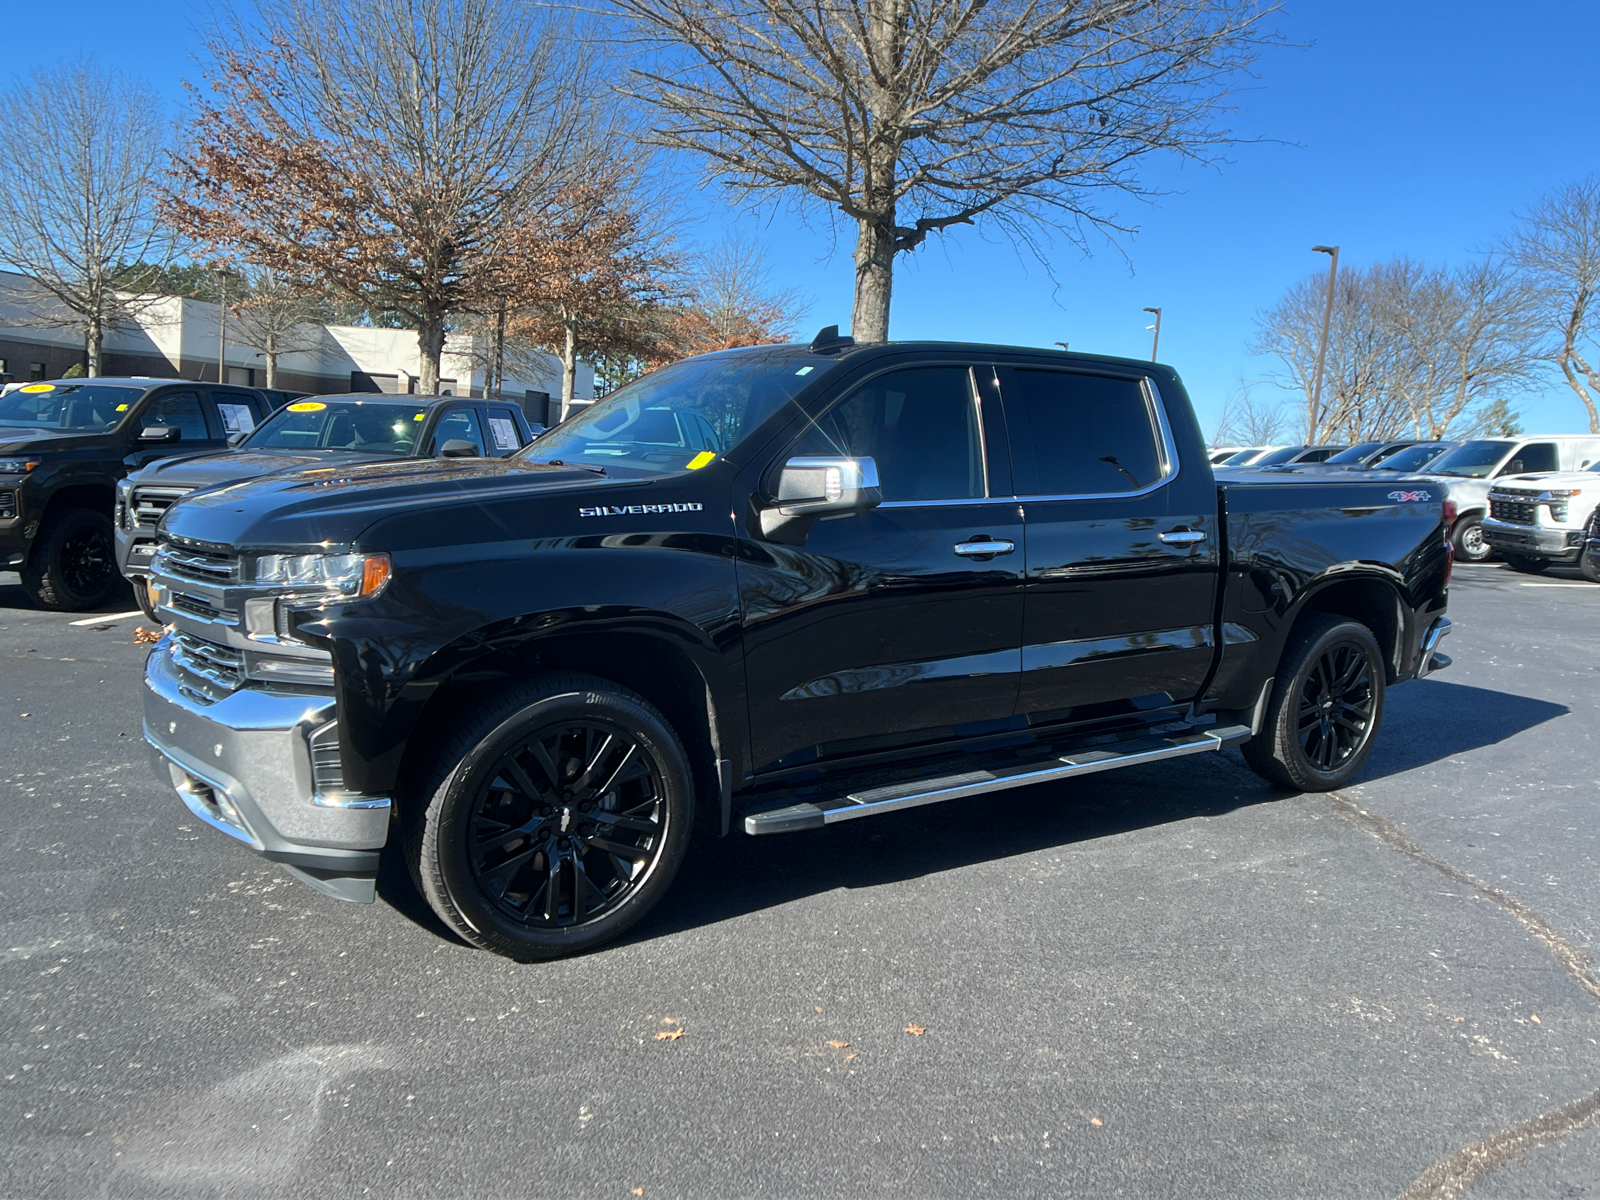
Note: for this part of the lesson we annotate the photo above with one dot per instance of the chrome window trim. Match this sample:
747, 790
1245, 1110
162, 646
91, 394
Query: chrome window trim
976, 397
1166, 447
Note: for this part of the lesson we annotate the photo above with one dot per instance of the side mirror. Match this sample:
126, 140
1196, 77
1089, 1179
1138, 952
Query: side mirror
161, 433
458, 448
810, 489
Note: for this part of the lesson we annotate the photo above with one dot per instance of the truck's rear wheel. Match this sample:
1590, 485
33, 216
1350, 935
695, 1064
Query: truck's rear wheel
559, 817
1589, 566
1325, 709
72, 565
1470, 544
1527, 564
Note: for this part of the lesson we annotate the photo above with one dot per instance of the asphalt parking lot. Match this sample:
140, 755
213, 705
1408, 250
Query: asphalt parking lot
1168, 981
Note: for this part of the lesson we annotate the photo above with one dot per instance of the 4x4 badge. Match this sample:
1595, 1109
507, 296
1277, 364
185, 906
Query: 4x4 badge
1405, 497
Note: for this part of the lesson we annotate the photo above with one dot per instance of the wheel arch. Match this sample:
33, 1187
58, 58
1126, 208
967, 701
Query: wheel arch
98, 497
1373, 599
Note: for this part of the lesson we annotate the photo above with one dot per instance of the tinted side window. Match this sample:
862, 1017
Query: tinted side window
1540, 456
459, 423
1080, 434
503, 431
238, 411
179, 410
919, 426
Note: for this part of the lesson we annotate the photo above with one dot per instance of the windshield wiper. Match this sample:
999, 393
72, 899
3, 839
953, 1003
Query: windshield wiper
561, 462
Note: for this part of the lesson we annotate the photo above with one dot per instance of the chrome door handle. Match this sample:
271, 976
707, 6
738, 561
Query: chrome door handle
986, 548
1183, 537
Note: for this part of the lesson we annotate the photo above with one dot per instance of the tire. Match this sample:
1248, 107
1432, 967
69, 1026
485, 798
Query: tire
1470, 544
73, 564
524, 868
1588, 567
1325, 755
141, 595
1526, 564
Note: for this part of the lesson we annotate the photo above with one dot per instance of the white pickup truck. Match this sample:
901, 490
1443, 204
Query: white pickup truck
1473, 468
1536, 520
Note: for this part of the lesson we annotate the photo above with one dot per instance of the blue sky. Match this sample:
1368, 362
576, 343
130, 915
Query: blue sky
1413, 127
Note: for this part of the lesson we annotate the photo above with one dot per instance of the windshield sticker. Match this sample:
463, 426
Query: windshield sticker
805, 370
419, 416
306, 406
505, 433
639, 510
1408, 497
704, 459
122, 408
37, 387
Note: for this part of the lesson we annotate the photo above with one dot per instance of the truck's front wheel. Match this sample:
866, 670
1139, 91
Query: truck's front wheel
1470, 544
1325, 708
72, 565
559, 817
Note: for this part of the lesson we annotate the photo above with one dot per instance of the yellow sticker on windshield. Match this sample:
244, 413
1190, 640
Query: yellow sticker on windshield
37, 387
122, 408
419, 416
704, 458
306, 406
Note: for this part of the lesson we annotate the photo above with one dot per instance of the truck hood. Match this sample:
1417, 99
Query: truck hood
216, 467
334, 504
21, 439
1584, 480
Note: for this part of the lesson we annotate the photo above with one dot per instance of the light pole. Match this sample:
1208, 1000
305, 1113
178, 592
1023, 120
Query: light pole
1155, 342
1322, 350
223, 275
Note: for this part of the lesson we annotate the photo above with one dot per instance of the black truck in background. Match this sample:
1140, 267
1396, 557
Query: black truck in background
767, 589
65, 443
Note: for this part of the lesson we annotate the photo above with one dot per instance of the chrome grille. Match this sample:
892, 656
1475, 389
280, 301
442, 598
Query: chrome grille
150, 504
1515, 511
195, 606
202, 566
221, 665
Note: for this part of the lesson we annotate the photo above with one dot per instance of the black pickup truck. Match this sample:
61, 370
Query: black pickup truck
767, 589
322, 432
65, 443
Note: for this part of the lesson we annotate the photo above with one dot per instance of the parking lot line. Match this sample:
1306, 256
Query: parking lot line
100, 620
1582, 585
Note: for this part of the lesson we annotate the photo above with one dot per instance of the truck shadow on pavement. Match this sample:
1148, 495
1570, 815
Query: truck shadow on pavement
725, 878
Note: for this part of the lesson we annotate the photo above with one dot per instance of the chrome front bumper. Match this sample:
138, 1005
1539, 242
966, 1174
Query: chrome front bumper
1555, 544
243, 765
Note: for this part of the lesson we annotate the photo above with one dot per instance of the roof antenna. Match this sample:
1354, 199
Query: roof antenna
828, 341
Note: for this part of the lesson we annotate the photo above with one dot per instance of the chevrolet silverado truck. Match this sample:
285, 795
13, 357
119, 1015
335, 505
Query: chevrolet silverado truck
322, 432
65, 444
768, 589
1536, 521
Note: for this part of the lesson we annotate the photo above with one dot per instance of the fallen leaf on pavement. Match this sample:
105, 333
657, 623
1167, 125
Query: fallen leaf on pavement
637, 1192
1096, 1121
1534, 1017
916, 1030
848, 1057
146, 636
837, 1045
669, 1035
819, 1008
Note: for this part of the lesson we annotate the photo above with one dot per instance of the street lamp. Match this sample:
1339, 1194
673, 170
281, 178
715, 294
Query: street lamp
1155, 343
1322, 350
223, 275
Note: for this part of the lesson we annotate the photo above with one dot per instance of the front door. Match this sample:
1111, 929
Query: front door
898, 626
1121, 547
178, 410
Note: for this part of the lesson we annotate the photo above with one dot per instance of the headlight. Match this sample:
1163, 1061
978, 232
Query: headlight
17, 466
344, 574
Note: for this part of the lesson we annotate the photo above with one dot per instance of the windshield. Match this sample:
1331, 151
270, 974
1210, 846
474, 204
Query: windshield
1472, 460
1242, 457
370, 426
87, 407
684, 415
1409, 459
1277, 456
1357, 453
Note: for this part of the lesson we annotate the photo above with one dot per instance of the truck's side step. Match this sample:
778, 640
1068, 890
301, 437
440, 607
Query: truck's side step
815, 814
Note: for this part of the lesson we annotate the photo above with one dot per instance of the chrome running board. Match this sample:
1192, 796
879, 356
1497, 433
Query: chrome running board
814, 815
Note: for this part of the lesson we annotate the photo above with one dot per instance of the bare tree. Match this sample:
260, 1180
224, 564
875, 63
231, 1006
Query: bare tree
82, 158
907, 117
1556, 246
1411, 348
386, 147
277, 316
733, 302
1246, 421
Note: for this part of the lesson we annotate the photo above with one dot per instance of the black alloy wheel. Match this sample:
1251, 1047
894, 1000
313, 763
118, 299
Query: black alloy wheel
1336, 704
72, 565
1325, 708
567, 825
553, 818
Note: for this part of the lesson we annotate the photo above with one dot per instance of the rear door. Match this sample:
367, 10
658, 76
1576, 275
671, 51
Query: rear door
236, 411
888, 628
1121, 562
506, 432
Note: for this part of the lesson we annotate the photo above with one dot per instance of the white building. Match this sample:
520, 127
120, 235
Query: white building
174, 338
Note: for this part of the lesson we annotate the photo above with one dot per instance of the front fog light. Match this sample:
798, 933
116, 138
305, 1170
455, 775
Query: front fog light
345, 574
